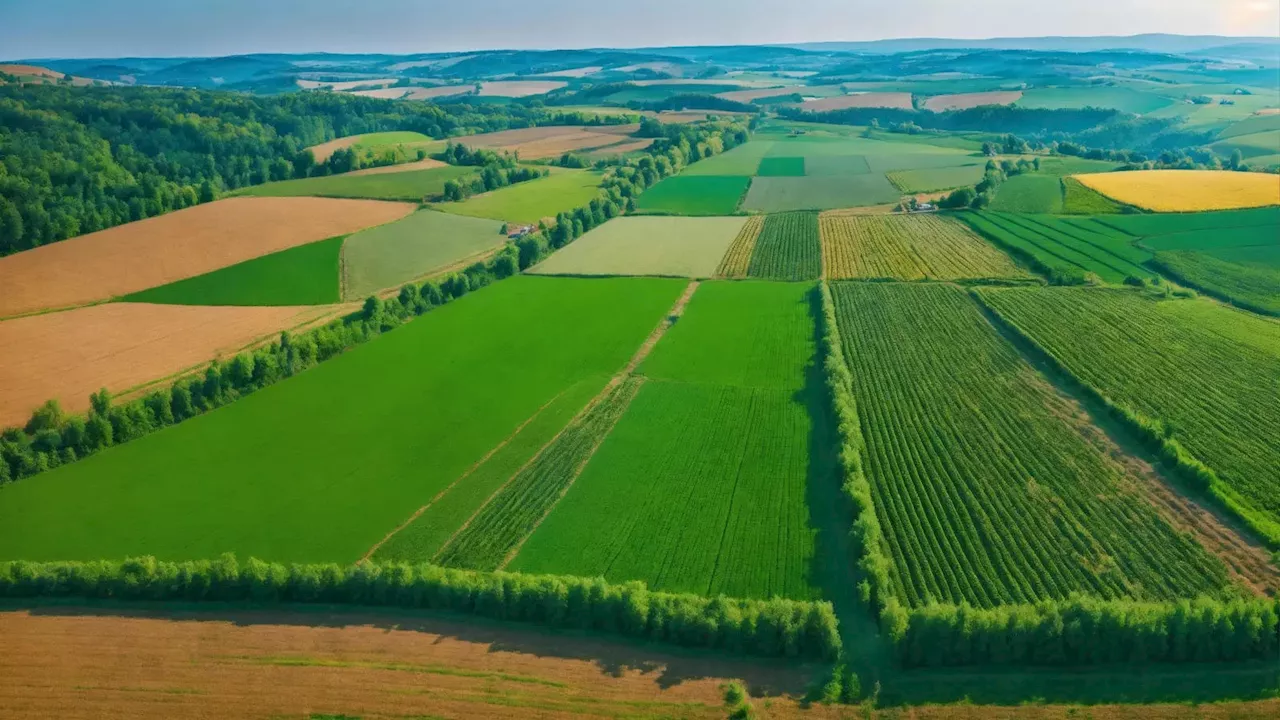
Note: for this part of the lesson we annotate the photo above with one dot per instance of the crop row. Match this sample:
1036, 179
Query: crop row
1061, 249
990, 486
908, 248
1252, 287
788, 248
737, 260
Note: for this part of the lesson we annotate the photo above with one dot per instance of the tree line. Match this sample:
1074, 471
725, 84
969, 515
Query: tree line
775, 628
497, 170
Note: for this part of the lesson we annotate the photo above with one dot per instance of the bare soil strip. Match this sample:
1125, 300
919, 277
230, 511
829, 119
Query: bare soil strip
964, 101
898, 100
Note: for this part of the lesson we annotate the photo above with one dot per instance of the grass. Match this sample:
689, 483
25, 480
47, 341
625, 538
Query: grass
743, 160
413, 185
782, 194
1196, 231
908, 247
724, 403
1125, 99
789, 248
1074, 246
835, 165
1251, 146
781, 167
321, 466
931, 180
1187, 190
669, 246
694, 195
530, 202
1217, 395
1019, 502
1080, 200
426, 241
302, 275
1252, 287
1029, 193
1251, 126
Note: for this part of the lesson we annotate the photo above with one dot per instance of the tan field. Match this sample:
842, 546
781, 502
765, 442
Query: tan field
552, 141
1187, 190
862, 100
575, 72
30, 73
621, 148
964, 101
750, 95
1268, 111
414, 93
182, 244
344, 85
688, 116
519, 88
120, 346
426, 164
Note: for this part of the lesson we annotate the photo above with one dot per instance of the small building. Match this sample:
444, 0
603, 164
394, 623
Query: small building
516, 232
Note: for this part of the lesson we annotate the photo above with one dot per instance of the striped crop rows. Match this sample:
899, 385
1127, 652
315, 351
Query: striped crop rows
1209, 376
788, 248
1065, 244
912, 247
737, 259
991, 487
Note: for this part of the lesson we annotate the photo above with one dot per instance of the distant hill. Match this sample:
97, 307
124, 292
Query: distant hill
1157, 43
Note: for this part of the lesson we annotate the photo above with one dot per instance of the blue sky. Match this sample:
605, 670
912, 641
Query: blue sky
115, 28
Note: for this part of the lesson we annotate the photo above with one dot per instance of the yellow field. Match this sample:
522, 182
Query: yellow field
738, 258
1187, 190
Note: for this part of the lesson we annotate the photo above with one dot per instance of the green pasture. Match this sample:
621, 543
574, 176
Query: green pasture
694, 195
1118, 97
1029, 193
647, 245
743, 160
532, 201
780, 194
920, 181
412, 185
426, 241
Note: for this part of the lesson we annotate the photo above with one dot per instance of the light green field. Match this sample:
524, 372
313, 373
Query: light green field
694, 195
639, 245
1030, 193
413, 185
1123, 98
781, 194
530, 202
1255, 145
918, 181
390, 255
320, 467
742, 160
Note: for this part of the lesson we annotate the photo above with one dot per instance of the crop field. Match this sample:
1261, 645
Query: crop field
781, 167
908, 247
1255, 287
352, 482
737, 259
1252, 147
303, 275
549, 140
1080, 200
789, 247
186, 243
1022, 501
931, 180
1187, 190
743, 160
1073, 245
694, 195
1218, 396
964, 101
782, 194
1029, 193
518, 88
411, 185
532, 201
1194, 231
425, 164
670, 246
373, 141
900, 100
701, 487
1125, 99
423, 243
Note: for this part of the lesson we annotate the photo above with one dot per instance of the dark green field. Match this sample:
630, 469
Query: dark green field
789, 248
694, 195
409, 185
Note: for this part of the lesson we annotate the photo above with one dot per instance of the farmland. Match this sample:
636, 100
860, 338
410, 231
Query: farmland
671, 246
694, 195
351, 482
857, 100
1066, 245
788, 248
1029, 193
782, 194
550, 140
737, 259
742, 160
1248, 286
930, 180
303, 275
724, 404
1216, 397
963, 101
160, 250
413, 185
908, 248
371, 141
1120, 97
1021, 502
532, 201
423, 243
1187, 190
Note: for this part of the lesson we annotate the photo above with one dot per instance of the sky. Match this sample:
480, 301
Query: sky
157, 28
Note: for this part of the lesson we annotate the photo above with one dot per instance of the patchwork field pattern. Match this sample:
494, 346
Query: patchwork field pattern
737, 259
782, 194
701, 486
1187, 190
1218, 396
549, 140
1020, 502
908, 247
412, 185
1071, 245
1255, 287
1029, 193
668, 246
423, 243
532, 201
743, 160
788, 248
353, 480
694, 195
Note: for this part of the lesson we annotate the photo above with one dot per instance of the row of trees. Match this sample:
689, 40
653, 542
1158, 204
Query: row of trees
786, 628
980, 196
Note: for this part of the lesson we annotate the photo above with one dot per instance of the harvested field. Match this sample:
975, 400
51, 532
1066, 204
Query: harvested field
82, 663
964, 101
738, 258
182, 244
667, 246
427, 164
899, 100
119, 346
344, 85
746, 96
688, 116
552, 141
1187, 190
914, 247
519, 88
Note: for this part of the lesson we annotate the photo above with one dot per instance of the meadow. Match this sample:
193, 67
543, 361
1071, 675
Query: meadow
374, 141
352, 482
783, 194
1254, 287
934, 179
303, 275
532, 201
912, 247
1029, 193
1075, 247
702, 485
1120, 97
669, 246
421, 244
1216, 398
1021, 502
694, 195
789, 247
743, 160
1187, 190
411, 185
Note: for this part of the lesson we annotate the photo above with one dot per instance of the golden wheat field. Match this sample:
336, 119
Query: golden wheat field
738, 258
1187, 190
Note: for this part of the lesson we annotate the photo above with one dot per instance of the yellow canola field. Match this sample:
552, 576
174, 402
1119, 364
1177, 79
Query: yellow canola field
1187, 190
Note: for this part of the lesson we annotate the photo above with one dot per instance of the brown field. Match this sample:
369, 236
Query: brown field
519, 88
688, 116
344, 85
751, 95
550, 141
402, 167
30, 73
575, 72
622, 148
963, 101
181, 244
737, 259
68, 355
414, 93
862, 100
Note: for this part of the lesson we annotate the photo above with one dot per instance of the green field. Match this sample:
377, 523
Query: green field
1237, 236
532, 201
931, 180
1252, 125
743, 160
1064, 165
989, 485
1256, 145
670, 246
1218, 395
427, 241
657, 93
323, 465
782, 194
1151, 225
413, 185
1029, 193
1250, 286
781, 167
1070, 245
789, 248
702, 485
694, 195
1080, 200
303, 275
1125, 99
